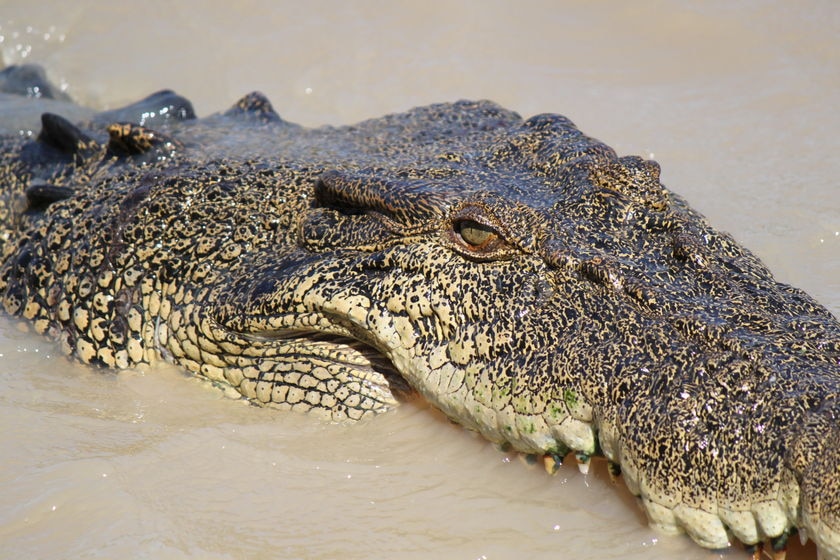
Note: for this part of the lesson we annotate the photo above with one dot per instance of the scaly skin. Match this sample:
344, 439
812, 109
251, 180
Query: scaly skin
517, 274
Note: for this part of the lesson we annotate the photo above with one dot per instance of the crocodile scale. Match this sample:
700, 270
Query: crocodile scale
518, 274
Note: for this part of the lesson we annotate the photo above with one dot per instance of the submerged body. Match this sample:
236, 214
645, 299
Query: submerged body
519, 275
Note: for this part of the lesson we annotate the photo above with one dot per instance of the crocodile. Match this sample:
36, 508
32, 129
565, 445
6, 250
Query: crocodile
516, 273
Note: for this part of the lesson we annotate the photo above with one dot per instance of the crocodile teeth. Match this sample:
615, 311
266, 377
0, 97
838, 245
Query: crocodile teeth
779, 544
552, 463
583, 462
614, 470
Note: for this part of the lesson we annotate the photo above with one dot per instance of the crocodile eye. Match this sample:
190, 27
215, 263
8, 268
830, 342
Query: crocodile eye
477, 235
474, 234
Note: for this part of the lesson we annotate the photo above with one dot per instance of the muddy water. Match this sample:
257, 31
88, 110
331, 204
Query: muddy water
738, 101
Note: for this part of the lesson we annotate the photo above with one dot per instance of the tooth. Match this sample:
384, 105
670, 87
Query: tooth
780, 543
614, 469
583, 462
552, 463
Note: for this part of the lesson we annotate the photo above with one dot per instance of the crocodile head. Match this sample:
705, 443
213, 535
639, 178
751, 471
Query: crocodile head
553, 296
484, 277
519, 275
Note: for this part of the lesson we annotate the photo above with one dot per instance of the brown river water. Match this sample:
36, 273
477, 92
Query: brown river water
737, 100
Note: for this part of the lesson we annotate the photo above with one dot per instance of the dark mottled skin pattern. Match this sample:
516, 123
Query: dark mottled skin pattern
518, 274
